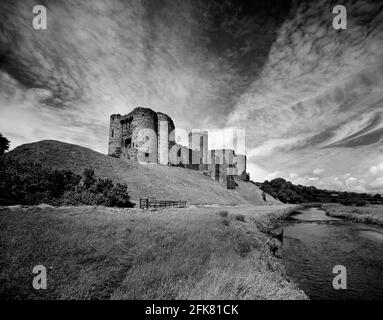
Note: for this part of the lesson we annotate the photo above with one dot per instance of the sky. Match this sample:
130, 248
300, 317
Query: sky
309, 97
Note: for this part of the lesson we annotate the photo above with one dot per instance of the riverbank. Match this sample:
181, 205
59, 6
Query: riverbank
314, 244
105, 253
372, 214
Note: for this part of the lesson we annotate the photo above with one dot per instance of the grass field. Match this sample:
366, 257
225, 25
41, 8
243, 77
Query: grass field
372, 214
152, 180
104, 253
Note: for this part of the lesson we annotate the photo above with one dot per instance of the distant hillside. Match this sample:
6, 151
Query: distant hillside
150, 180
288, 192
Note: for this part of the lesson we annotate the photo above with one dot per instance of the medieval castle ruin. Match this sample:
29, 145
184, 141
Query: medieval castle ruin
147, 136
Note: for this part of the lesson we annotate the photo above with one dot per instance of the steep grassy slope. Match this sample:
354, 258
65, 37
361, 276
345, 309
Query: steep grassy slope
104, 253
253, 194
157, 181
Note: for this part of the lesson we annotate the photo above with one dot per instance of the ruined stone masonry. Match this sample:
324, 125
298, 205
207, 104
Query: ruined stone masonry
147, 136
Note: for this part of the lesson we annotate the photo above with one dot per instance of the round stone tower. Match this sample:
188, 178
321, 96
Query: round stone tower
139, 135
165, 127
115, 146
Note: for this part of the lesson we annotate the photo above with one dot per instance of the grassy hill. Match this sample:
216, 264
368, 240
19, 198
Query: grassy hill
149, 180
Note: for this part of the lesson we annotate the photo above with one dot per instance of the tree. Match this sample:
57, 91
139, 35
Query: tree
4, 144
88, 178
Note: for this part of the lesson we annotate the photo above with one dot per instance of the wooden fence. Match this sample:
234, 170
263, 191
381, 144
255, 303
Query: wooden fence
151, 203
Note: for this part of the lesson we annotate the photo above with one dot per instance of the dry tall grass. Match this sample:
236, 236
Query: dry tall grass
103, 253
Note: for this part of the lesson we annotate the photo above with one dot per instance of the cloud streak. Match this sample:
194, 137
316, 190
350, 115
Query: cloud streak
102, 57
319, 99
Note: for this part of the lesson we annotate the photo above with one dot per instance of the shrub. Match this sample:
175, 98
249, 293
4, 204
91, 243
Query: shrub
243, 247
88, 178
117, 196
29, 183
240, 217
361, 203
104, 186
225, 222
223, 214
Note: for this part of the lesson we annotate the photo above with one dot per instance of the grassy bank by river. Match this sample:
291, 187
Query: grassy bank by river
104, 253
370, 214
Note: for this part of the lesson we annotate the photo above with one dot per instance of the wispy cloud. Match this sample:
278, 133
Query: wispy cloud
318, 102
102, 57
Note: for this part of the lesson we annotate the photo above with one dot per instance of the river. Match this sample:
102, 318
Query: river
314, 243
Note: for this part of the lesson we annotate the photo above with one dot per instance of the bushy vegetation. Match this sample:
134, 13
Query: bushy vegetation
4, 144
223, 214
287, 192
29, 183
240, 217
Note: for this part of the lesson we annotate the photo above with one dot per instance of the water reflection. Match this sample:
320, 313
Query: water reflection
315, 243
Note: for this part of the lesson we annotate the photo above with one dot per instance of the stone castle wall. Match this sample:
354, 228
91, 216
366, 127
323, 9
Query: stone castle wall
134, 136
198, 143
140, 135
145, 136
240, 163
221, 167
115, 135
165, 127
